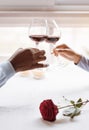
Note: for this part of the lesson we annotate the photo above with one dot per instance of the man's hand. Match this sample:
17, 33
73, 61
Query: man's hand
26, 59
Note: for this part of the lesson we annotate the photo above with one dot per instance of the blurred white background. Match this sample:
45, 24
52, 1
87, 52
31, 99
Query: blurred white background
12, 38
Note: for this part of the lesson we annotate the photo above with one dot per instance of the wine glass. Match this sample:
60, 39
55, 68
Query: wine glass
37, 30
53, 36
37, 33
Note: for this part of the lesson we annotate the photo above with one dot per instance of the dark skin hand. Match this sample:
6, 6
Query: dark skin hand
27, 59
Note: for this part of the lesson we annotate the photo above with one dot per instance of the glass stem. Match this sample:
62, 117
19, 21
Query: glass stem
37, 44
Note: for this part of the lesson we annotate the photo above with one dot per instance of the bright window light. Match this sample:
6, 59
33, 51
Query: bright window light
12, 38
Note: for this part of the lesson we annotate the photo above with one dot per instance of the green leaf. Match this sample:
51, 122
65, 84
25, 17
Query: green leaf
71, 112
79, 103
72, 102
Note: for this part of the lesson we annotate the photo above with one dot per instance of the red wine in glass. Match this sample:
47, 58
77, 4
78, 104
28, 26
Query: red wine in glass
37, 38
52, 39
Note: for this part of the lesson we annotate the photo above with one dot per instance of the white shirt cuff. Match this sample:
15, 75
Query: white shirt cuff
8, 69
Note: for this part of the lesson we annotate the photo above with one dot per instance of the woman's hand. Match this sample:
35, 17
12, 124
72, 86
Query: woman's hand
67, 53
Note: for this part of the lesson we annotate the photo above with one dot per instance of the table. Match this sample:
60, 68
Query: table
20, 98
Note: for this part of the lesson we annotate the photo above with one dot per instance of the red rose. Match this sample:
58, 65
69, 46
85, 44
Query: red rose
48, 110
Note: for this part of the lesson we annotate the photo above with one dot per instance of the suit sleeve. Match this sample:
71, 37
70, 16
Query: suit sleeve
84, 63
6, 72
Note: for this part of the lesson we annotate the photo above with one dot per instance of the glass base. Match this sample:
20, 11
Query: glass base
38, 73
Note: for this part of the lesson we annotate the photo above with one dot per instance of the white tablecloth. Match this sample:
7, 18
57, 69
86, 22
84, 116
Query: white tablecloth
20, 98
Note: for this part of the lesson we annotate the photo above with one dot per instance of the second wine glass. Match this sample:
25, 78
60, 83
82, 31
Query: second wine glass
53, 36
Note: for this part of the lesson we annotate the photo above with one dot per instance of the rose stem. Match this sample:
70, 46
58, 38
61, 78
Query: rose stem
73, 105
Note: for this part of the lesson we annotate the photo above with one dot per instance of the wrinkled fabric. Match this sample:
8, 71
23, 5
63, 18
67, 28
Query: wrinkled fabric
6, 72
84, 63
